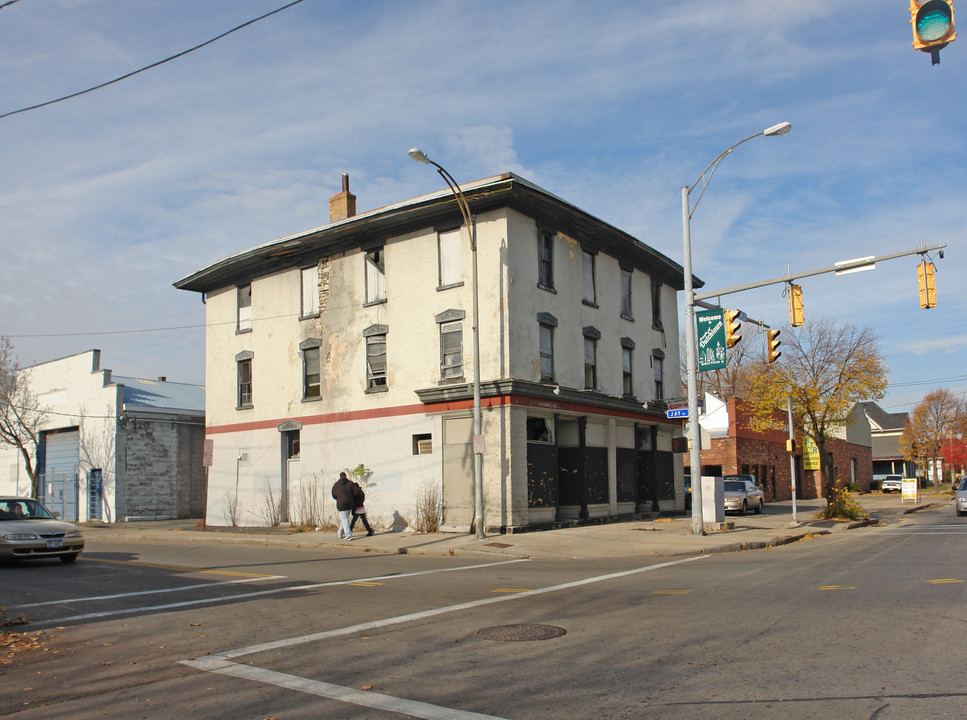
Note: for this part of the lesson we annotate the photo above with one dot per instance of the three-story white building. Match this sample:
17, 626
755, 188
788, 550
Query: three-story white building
352, 344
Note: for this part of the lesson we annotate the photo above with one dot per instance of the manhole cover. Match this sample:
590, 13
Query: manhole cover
518, 633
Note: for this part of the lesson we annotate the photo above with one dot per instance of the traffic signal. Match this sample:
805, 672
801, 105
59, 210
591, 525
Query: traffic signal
790, 445
773, 351
732, 326
795, 305
928, 286
933, 26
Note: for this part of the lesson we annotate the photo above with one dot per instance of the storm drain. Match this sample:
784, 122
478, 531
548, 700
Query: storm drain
519, 633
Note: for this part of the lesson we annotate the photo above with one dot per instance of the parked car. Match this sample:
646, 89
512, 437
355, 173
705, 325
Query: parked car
961, 500
891, 483
742, 494
28, 530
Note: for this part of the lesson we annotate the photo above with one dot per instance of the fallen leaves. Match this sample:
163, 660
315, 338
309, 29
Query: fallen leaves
12, 643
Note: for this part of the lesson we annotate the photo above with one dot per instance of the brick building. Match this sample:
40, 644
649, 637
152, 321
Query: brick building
731, 446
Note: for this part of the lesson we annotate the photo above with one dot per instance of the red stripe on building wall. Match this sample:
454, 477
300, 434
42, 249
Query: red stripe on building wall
431, 409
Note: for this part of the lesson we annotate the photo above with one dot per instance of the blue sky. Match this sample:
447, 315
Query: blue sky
108, 198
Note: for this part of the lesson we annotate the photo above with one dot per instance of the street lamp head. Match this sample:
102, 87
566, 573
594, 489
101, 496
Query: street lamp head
420, 156
782, 128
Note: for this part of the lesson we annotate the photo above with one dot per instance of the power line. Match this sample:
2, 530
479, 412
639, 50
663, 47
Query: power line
912, 383
9, 2
169, 328
146, 67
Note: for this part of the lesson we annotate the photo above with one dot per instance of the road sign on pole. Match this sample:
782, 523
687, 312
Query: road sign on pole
711, 339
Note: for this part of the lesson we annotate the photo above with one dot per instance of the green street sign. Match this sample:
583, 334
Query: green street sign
711, 339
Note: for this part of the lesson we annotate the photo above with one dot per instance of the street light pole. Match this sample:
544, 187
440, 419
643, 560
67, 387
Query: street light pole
691, 341
420, 156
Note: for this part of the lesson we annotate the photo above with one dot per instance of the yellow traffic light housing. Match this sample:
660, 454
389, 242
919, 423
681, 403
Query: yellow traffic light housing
933, 26
790, 445
928, 285
732, 326
773, 353
795, 305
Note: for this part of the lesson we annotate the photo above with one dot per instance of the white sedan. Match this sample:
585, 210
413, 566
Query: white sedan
961, 500
743, 495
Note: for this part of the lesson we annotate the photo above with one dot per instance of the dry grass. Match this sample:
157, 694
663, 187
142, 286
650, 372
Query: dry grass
429, 509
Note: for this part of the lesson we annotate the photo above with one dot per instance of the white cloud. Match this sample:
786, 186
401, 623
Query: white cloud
109, 198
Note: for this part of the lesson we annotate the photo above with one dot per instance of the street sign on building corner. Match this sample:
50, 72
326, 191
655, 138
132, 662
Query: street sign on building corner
711, 339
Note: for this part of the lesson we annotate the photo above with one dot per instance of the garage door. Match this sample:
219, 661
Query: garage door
59, 486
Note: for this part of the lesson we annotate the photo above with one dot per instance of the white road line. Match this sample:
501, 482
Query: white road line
92, 598
376, 624
259, 593
362, 698
924, 532
219, 663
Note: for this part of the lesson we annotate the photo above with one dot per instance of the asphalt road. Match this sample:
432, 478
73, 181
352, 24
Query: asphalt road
862, 624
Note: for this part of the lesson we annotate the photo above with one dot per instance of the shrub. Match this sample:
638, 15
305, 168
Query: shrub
874, 485
854, 487
842, 507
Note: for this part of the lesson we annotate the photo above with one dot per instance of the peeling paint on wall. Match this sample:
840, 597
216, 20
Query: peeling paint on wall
333, 366
572, 244
324, 269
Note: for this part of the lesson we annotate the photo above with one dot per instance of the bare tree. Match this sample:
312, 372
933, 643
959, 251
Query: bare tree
21, 416
826, 369
932, 423
734, 380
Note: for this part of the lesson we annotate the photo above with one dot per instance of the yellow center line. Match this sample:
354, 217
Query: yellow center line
364, 584
836, 587
944, 581
183, 568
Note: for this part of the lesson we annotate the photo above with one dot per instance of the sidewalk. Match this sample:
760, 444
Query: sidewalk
642, 538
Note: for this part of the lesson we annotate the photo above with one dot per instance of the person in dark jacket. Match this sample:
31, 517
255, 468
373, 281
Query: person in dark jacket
359, 509
342, 493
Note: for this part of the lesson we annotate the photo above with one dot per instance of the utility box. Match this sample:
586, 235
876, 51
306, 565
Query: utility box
713, 499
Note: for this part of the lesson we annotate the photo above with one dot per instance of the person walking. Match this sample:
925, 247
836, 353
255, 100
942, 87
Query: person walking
342, 493
359, 509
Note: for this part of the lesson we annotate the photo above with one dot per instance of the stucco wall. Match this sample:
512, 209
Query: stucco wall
526, 300
347, 425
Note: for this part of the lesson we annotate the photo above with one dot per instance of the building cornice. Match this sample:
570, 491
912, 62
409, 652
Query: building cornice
372, 228
494, 393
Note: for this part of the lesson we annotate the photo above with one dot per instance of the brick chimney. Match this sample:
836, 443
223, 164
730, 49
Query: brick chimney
342, 205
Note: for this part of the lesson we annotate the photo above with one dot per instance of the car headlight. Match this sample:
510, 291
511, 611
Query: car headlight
21, 536
74, 533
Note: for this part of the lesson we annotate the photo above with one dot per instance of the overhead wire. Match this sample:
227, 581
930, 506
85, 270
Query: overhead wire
147, 67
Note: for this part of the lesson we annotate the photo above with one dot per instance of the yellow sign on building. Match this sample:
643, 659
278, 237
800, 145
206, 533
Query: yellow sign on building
810, 455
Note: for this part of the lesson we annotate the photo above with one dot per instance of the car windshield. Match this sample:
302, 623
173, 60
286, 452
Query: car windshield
23, 510
734, 486
963, 483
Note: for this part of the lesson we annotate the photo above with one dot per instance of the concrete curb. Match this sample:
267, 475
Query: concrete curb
580, 543
918, 508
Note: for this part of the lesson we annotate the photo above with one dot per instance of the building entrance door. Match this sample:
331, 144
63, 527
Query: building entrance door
458, 500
